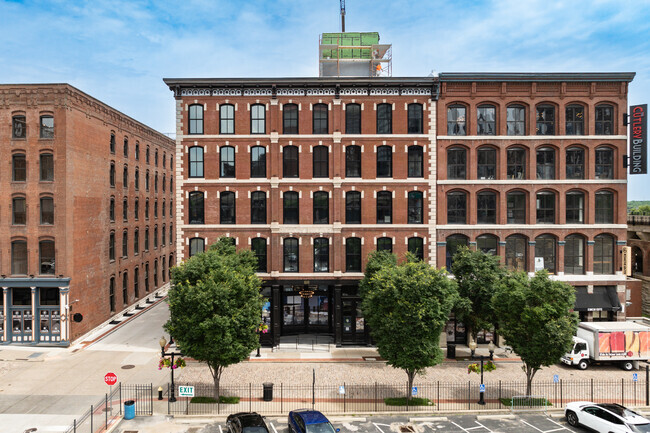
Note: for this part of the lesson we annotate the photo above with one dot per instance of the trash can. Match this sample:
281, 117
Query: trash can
268, 391
129, 409
451, 351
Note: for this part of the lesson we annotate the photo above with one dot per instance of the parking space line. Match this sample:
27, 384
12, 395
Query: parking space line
376, 425
482, 426
220, 431
530, 425
468, 429
273, 427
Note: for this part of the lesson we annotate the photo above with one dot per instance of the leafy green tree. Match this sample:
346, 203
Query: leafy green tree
477, 275
406, 307
643, 209
215, 307
535, 318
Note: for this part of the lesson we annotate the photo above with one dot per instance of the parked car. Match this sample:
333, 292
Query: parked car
246, 422
605, 417
309, 421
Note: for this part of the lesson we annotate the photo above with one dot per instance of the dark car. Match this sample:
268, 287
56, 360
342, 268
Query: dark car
309, 421
246, 422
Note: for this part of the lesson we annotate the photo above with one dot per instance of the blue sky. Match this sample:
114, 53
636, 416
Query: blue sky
118, 51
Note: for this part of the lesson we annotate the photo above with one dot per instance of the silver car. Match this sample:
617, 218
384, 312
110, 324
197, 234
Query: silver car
605, 417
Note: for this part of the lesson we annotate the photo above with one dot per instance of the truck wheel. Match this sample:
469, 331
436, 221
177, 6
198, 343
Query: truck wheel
628, 365
572, 418
582, 365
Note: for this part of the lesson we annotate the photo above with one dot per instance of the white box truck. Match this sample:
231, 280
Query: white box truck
622, 343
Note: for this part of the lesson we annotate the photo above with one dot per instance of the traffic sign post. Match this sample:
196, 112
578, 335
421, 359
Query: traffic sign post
414, 391
186, 391
635, 377
110, 379
556, 378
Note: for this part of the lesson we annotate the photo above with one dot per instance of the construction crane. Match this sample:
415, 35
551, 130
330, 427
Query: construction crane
343, 16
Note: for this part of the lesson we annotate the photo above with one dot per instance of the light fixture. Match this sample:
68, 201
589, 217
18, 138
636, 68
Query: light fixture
472, 346
162, 342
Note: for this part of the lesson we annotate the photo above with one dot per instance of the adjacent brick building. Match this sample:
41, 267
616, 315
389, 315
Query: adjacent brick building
312, 174
86, 212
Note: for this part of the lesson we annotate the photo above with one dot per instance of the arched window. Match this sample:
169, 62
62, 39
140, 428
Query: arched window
196, 161
125, 288
415, 118
385, 244
384, 118
353, 207
604, 120
516, 253
415, 207
604, 207
290, 161
321, 207
125, 209
456, 120
456, 163
227, 207
574, 255
320, 120
46, 161
19, 257
111, 209
545, 207
516, 205
111, 294
258, 246
196, 119
545, 120
352, 119
486, 120
575, 120
258, 207
545, 163
196, 208
453, 243
136, 179
111, 175
258, 119
290, 254
47, 126
603, 255
575, 207
227, 119
516, 163
353, 161
486, 207
19, 211
146, 239
47, 211
516, 120
487, 244
604, 163
353, 255
136, 280
321, 255
146, 207
487, 163
197, 245
290, 206
227, 161
416, 247
125, 177
112, 143
321, 161
46, 257
290, 119
258, 161
384, 161
415, 161
136, 242
146, 155
155, 237
545, 250
457, 207
146, 181
111, 247
384, 207
125, 244
137, 151
126, 147
575, 163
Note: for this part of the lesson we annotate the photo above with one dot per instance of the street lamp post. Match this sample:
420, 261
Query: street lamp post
472, 347
163, 344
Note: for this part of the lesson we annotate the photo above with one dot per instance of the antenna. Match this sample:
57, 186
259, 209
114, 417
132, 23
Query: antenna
343, 16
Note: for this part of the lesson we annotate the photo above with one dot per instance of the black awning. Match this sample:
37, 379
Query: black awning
602, 299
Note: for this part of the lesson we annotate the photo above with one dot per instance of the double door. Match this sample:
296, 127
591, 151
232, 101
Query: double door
21, 324
306, 315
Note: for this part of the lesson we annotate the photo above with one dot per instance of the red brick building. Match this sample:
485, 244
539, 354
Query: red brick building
313, 174
86, 213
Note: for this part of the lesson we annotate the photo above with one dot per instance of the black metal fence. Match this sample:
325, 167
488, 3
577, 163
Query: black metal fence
103, 414
377, 397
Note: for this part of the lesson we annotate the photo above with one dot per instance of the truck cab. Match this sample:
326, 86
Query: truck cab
579, 355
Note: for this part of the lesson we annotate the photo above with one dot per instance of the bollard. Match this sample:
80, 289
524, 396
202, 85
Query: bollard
160, 390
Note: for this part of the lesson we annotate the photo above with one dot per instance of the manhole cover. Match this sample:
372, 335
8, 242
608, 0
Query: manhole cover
406, 429
128, 366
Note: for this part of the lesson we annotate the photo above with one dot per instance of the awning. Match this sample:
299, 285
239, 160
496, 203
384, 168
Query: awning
602, 299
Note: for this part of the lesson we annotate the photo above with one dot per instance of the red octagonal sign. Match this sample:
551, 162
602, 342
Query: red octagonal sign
110, 378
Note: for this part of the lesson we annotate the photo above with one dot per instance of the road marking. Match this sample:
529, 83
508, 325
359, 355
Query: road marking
471, 428
562, 428
379, 428
220, 431
273, 427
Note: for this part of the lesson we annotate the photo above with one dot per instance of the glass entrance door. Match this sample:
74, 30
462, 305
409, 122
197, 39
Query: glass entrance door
21, 325
353, 322
306, 315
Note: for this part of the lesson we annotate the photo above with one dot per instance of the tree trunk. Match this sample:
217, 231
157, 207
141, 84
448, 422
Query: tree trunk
530, 373
216, 377
411, 376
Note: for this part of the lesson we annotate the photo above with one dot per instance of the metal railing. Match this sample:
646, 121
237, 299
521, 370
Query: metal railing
102, 415
638, 220
377, 397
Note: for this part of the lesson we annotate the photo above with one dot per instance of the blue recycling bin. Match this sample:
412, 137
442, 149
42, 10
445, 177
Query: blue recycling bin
129, 409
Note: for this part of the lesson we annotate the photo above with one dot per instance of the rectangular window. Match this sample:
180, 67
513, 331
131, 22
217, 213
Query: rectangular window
604, 120
516, 120
384, 161
291, 255
516, 204
19, 211
321, 161
227, 161
545, 208
321, 208
575, 208
456, 121
414, 119
353, 119
575, 163
227, 119
545, 120
258, 161
19, 258
352, 161
290, 161
47, 127
321, 255
320, 119
290, 205
18, 127
19, 167
486, 120
353, 255
46, 256
353, 207
384, 119
487, 164
258, 207
575, 120
384, 207
290, 119
604, 163
516, 168
415, 159
258, 119
47, 210
47, 167
196, 119
258, 246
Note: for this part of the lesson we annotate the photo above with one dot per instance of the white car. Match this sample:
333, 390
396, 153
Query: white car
605, 417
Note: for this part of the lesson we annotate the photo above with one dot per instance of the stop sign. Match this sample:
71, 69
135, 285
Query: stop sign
110, 378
